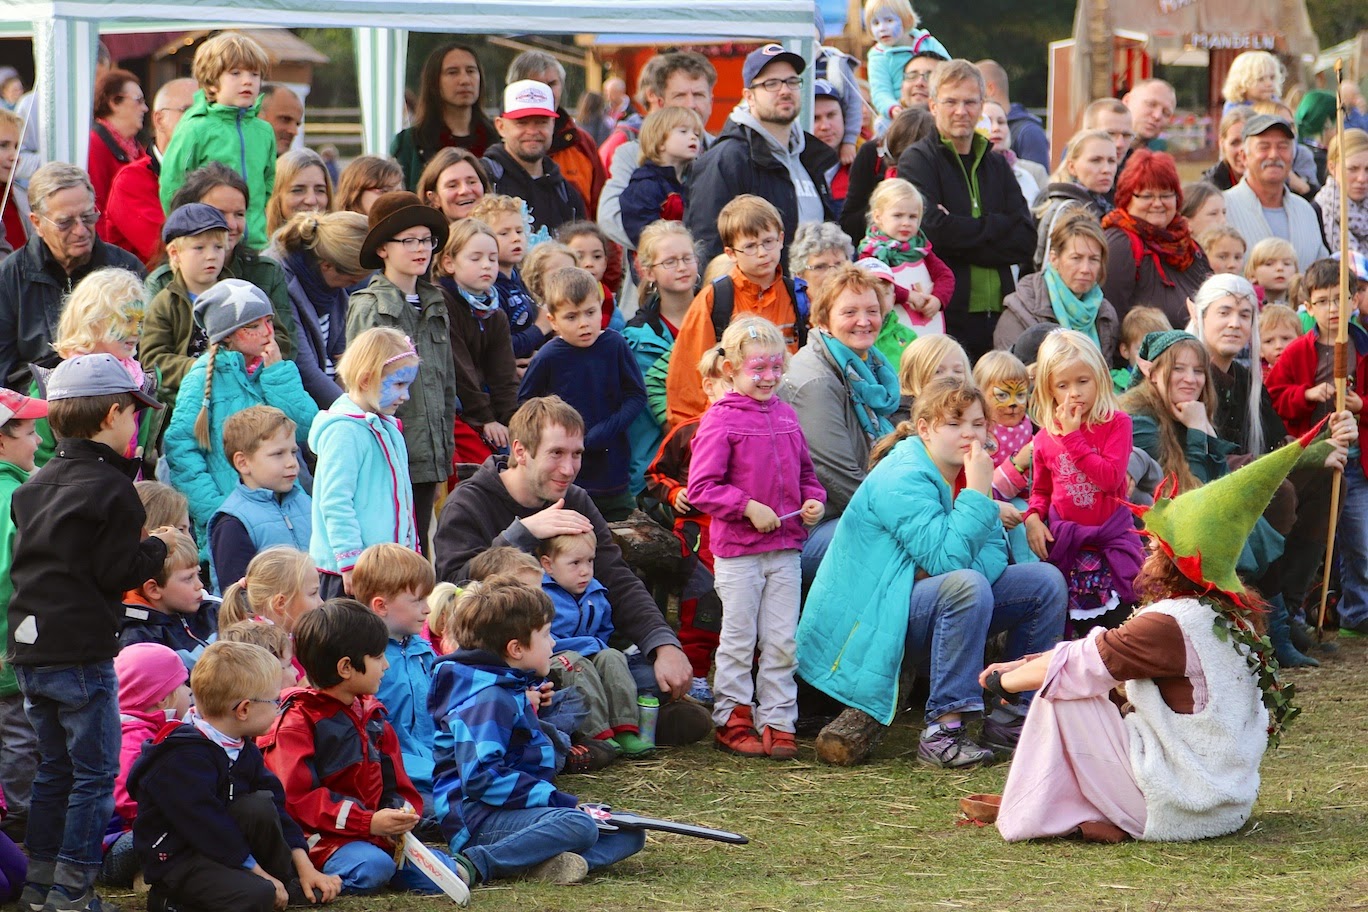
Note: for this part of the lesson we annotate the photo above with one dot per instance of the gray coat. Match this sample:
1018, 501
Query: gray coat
1030, 305
839, 446
430, 414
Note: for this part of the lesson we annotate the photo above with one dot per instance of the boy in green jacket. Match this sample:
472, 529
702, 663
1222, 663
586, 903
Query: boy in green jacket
222, 126
19, 745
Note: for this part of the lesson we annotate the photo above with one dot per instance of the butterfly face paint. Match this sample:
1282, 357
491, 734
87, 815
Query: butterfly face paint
759, 375
394, 388
1007, 402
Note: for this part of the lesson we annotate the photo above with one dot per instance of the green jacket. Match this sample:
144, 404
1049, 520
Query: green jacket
429, 416
234, 137
11, 477
250, 266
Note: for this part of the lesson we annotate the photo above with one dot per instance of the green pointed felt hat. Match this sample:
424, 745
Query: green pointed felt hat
1204, 530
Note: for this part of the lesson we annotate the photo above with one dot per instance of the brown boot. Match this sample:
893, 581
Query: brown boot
738, 735
779, 744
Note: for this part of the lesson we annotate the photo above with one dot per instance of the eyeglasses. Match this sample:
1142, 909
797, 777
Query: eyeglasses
180, 110
276, 702
65, 226
675, 262
1165, 197
917, 76
821, 267
958, 104
774, 85
136, 99
415, 243
751, 249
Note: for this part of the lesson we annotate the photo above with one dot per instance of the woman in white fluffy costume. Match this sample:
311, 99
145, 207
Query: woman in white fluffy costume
1177, 756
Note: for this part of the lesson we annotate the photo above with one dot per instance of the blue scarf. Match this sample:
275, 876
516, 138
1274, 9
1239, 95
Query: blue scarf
1071, 311
873, 385
482, 306
304, 266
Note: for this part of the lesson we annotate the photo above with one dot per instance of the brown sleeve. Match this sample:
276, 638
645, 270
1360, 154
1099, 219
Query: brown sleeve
1148, 646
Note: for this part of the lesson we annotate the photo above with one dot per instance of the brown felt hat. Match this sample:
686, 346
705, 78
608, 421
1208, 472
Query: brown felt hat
396, 212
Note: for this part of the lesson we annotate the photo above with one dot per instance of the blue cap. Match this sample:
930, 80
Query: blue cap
192, 219
763, 56
95, 375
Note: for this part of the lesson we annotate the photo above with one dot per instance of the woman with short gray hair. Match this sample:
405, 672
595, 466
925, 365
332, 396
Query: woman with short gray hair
817, 248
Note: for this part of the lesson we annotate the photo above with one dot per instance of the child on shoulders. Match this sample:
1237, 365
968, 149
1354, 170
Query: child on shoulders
171, 608
893, 23
338, 758
212, 831
268, 507
1272, 268
493, 789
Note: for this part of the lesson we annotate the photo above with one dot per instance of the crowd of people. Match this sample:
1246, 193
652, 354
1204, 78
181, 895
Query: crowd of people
309, 475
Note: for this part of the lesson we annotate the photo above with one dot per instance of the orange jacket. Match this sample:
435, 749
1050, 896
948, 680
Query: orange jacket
576, 153
683, 385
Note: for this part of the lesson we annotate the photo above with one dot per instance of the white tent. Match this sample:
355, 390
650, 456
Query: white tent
65, 33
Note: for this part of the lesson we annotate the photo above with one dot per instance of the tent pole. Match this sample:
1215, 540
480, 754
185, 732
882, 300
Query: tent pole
381, 64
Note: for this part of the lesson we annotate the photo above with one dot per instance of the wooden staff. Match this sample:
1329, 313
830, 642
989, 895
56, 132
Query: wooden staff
1341, 343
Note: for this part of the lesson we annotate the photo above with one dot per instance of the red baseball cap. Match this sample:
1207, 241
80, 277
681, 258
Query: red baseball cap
16, 405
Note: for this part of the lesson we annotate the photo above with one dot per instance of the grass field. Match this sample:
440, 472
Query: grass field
886, 835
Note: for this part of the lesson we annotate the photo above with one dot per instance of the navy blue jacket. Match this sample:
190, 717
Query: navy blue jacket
183, 784
645, 193
517, 302
185, 634
605, 386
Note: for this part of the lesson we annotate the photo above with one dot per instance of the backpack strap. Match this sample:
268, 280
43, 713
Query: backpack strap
724, 305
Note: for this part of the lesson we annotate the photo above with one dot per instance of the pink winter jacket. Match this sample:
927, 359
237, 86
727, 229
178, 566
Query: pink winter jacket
138, 727
747, 450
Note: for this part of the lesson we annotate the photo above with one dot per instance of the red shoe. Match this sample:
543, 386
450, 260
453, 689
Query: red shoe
779, 744
739, 736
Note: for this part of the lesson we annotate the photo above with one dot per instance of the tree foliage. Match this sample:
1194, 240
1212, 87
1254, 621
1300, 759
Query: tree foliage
1015, 34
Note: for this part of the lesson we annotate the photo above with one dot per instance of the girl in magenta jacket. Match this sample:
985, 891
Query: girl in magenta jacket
752, 474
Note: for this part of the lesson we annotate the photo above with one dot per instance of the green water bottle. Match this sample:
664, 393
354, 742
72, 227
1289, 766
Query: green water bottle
648, 711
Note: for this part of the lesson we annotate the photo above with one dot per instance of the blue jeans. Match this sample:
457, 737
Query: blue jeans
815, 548
511, 841
953, 615
74, 710
365, 868
1351, 540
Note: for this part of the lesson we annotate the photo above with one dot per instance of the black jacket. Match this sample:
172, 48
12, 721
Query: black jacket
183, 784
1001, 236
78, 548
480, 514
741, 161
32, 286
866, 173
551, 199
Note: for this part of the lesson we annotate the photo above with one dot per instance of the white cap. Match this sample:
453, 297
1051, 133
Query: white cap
529, 98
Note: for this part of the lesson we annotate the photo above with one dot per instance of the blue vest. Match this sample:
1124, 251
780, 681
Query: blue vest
271, 520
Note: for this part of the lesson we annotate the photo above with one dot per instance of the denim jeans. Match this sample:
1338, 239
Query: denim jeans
815, 548
74, 710
511, 841
953, 615
18, 761
365, 868
1351, 542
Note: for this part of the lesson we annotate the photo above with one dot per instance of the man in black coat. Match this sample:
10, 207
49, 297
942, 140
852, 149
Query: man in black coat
763, 151
974, 216
36, 278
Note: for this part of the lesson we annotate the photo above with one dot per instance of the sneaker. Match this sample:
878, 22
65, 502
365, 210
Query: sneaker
466, 870
563, 869
34, 896
701, 691
89, 901
1002, 731
634, 747
739, 736
779, 744
682, 721
950, 748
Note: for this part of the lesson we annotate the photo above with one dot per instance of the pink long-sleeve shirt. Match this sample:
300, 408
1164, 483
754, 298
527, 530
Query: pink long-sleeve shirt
1081, 474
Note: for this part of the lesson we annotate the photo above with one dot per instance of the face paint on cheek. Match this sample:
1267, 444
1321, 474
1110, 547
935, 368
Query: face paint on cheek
395, 384
763, 367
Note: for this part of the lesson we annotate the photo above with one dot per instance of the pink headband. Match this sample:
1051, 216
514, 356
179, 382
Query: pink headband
411, 353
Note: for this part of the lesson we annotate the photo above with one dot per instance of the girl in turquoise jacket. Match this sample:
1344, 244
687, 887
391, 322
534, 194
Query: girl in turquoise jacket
362, 494
240, 370
919, 561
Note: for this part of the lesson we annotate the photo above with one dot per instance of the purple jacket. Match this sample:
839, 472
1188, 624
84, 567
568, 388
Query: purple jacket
1116, 539
747, 450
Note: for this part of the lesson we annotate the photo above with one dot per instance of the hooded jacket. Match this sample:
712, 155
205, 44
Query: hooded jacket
650, 340
747, 450
184, 784
480, 514
551, 199
976, 219
11, 477
743, 160
404, 694
584, 622
362, 494
429, 415
490, 752
1030, 305
339, 765
235, 137
32, 289
313, 351
187, 635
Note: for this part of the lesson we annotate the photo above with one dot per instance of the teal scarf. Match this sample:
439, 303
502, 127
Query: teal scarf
873, 386
1072, 312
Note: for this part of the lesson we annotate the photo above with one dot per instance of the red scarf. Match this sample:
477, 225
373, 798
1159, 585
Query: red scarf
1172, 246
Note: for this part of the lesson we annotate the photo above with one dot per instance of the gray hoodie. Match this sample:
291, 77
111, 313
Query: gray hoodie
809, 200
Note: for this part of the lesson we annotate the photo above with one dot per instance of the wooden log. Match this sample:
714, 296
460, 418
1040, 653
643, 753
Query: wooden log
850, 738
648, 547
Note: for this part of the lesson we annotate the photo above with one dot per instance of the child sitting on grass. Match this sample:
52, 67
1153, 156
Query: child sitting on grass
494, 766
170, 608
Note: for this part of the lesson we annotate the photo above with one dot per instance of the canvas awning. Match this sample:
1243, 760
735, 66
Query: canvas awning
65, 33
